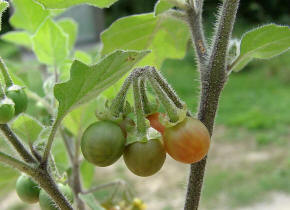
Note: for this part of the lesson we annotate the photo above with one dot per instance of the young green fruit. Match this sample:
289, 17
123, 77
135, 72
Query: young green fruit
7, 110
27, 190
46, 202
18, 96
103, 143
145, 158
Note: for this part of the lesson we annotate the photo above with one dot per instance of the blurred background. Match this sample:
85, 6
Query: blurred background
249, 161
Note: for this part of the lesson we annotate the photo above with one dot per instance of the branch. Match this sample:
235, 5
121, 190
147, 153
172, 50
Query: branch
50, 141
102, 186
212, 84
11, 161
194, 20
17, 144
68, 144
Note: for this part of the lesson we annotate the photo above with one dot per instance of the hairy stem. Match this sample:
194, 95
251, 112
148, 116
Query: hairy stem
50, 141
41, 176
46, 182
141, 123
212, 84
194, 20
17, 144
119, 101
5, 73
13, 162
169, 106
145, 101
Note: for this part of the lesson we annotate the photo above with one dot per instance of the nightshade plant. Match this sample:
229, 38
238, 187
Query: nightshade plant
81, 83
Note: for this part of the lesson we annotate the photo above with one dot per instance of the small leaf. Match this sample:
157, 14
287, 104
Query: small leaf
70, 27
166, 37
91, 202
83, 57
21, 38
162, 6
28, 15
264, 42
87, 82
3, 6
27, 128
50, 43
87, 172
58, 4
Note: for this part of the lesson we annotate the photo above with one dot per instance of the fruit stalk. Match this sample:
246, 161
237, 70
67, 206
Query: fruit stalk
145, 101
166, 88
141, 123
169, 106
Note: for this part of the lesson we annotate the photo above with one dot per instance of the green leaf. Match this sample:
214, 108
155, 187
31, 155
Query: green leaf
87, 82
28, 15
264, 42
162, 6
27, 128
3, 6
91, 202
21, 38
58, 4
87, 172
83, 57
70, 27
50, 43
166, 37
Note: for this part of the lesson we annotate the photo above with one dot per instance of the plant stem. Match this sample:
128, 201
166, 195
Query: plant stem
213, 82
144, 98
141, 123
5, 73
119, 101
50, 141
17, 144
77, 185
68, 144
194, 20
46, 182
11, 161
169, 106
102, 186
2, 93
41, 176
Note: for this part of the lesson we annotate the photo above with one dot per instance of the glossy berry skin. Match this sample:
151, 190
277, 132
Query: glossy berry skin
155, 123
188, 141
19, 98
27, 190
145, 158
6, 110
103, 143
45, 201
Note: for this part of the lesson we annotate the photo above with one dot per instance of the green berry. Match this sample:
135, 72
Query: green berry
27, 190
18, 96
